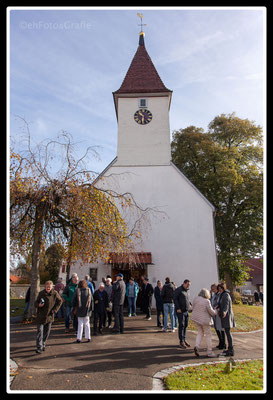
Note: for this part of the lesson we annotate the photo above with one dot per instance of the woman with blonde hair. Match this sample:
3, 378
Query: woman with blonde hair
202, 313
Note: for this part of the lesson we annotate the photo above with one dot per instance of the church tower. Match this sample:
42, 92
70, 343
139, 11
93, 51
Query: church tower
177, 236
142, 107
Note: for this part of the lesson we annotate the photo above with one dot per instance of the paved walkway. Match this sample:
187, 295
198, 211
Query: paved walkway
108, 362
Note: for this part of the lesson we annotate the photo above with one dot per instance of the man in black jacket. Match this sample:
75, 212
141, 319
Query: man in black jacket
182, 307
101, 304
147, 294
168, 303
159, 303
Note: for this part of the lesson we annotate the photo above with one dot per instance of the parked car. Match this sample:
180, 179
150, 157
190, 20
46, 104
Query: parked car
248, 297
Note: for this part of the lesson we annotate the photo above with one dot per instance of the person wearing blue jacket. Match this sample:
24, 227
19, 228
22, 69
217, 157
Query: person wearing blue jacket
132, 290
90, 284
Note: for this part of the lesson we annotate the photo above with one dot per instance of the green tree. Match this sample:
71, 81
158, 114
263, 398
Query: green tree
225, 164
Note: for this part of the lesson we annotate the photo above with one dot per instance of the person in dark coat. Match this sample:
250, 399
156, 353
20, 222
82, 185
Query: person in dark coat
141, 285
82, 308
159, 303
147, 294
256, 297
101, 304
108, 289
68, 295
27, 299
215, 295
48, 303
182, 307
168, 303
261, 296
227, 317
118, 296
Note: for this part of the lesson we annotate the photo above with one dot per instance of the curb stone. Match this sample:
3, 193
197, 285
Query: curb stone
158, 377
235, 332
12, 369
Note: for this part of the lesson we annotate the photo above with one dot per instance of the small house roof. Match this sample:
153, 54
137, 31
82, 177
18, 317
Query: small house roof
255, 270
14, 278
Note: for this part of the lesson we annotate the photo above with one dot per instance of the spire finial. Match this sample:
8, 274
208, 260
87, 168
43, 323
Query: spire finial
141, 33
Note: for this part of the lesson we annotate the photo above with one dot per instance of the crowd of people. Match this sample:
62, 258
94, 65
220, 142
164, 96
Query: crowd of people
79, 300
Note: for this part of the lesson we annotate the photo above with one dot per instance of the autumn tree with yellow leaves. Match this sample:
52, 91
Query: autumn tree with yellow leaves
63, 207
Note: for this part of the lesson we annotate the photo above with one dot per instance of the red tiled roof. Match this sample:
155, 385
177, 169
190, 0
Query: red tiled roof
14, 279
142, 77
130, 258
258, 280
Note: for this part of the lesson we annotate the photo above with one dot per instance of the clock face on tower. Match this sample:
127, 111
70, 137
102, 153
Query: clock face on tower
143, 116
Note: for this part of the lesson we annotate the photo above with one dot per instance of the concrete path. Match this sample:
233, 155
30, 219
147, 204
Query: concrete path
109, 362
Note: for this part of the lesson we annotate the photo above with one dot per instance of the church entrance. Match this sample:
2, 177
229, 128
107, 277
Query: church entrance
128, 273
130, 265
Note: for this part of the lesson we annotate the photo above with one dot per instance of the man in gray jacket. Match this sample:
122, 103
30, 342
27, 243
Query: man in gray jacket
118, 296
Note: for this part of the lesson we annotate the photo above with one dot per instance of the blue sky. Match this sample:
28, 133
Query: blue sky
65, 64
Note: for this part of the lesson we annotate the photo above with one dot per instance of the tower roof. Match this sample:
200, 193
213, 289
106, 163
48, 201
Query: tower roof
142, 77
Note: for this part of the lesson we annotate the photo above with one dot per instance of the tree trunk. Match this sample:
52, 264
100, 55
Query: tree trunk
67, 272
35, 263
69, 258
229, 285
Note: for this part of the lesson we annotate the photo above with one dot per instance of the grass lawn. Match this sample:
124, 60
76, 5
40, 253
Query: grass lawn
247, 318
243, 376
17, 307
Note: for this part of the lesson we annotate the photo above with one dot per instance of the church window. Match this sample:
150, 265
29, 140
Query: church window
93, 273
142, 103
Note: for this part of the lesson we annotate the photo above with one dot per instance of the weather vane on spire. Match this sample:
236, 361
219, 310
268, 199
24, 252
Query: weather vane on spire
141, 24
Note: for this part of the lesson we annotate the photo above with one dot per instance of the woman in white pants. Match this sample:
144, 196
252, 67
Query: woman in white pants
83, 324
202, 313
82, 303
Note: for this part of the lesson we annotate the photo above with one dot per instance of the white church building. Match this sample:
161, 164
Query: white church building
180, 239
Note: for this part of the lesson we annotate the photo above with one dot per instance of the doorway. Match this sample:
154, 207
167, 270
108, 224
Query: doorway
128, 273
